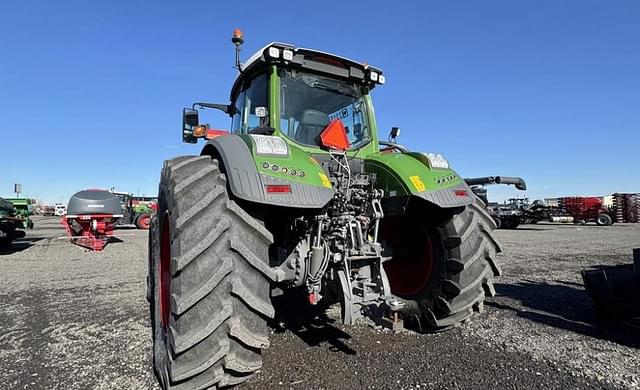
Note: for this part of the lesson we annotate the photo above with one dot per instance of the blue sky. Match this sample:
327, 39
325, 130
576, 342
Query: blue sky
91, 92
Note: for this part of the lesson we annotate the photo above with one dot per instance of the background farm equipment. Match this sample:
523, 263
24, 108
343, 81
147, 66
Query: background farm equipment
538, 210
626, 207
515, 211
508, 215
11, 223
23, 207
587, 209
91, 217
138, 215
569, 209
49, 210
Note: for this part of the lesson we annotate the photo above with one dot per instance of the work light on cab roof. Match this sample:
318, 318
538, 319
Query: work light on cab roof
277, 52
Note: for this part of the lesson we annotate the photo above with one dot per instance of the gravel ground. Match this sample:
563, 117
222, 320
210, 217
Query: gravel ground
72, 319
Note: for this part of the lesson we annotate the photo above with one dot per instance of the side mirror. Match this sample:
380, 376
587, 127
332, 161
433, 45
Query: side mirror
189, 122
395, 133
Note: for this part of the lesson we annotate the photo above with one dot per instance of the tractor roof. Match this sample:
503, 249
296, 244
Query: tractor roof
288, 56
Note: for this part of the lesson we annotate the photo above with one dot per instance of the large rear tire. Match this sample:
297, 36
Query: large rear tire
459, 266
210, 280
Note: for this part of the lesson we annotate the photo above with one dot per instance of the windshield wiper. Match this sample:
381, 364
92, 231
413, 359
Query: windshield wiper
336, 90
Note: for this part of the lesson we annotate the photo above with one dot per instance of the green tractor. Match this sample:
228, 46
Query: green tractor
303, 197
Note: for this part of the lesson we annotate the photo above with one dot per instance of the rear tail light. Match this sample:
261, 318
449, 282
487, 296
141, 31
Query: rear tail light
278, 189
461, 193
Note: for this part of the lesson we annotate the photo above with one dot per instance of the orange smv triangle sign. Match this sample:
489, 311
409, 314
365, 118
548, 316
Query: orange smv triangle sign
334, 136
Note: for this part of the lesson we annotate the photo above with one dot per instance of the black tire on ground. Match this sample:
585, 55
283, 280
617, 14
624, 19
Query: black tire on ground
604, 220
4, 242
462, 271
511, 223
217, 275
497, 221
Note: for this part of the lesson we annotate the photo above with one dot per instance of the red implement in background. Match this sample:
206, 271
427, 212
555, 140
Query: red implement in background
586, 209
91, 231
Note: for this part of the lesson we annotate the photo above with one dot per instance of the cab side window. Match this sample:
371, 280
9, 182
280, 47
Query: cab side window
253, 94
237, 116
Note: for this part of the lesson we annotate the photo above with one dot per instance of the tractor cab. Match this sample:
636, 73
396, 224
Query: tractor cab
132, 216
296, 93
125, 199
293, 110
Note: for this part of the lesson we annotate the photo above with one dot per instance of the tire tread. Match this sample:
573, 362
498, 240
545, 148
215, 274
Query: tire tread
220, 305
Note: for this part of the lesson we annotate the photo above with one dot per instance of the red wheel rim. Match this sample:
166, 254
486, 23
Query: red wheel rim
145, 221
410, 269
165, 273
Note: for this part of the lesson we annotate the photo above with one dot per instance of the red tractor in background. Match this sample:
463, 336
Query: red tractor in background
587, 209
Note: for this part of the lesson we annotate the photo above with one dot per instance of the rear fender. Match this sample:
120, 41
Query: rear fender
409, 175
249, 173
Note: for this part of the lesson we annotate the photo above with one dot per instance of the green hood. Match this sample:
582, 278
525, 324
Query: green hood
6, 208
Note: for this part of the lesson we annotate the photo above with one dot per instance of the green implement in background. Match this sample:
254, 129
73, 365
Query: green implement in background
23, 208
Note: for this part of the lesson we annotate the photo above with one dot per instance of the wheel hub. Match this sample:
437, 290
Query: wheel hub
145, 221
410, 269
